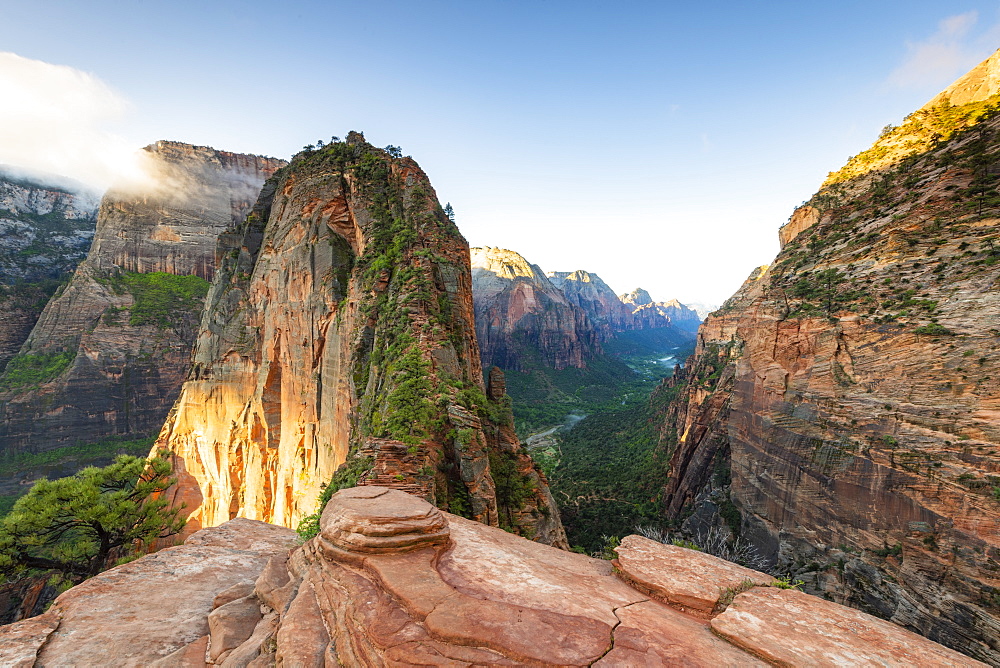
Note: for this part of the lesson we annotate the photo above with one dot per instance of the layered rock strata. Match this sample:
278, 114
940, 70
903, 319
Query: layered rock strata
595, 298
339, 333
842, 410
520, 313
391, 580
108, 354
45, 232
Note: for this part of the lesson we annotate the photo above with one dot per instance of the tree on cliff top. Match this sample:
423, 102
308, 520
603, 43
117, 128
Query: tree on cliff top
74, 524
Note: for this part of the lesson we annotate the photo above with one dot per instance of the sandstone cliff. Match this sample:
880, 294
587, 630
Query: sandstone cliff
108, 354
339, 333
842, 410
595, 298
391, 580
523, 319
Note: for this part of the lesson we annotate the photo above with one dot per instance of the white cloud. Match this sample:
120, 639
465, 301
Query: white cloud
951, 51
59, 120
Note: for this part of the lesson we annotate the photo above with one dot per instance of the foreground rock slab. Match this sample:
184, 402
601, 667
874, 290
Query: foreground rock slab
137, 613
791, 628
393, 581
683, 577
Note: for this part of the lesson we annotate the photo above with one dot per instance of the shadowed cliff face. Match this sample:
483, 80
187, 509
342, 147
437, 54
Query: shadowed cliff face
596, 299
339, 328
108, 354
850, 391
172, 225
45, 232
519, 312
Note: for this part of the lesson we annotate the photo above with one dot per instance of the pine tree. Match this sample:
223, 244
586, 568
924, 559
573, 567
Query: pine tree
73, 524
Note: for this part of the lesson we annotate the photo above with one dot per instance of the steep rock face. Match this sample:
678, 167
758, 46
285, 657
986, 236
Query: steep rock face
108, 355
45, 232
339, 328
849, 391
391, 580
596, 298
197, 192
520, 312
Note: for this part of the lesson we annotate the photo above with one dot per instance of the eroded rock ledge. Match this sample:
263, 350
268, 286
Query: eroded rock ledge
391, 580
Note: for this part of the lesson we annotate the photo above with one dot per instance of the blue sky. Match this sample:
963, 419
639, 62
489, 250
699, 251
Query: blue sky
659, 144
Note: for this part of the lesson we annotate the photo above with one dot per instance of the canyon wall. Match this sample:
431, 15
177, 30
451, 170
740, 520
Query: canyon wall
595, 298
842, 410
45, 232
108, 354
338, 347
521, 314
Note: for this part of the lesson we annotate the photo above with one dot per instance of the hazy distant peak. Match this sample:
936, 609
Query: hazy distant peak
637, 297
35, 179
575, 280
580, 275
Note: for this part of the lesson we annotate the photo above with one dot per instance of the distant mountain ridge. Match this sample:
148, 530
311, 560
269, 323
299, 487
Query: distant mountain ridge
644, 309
563, 317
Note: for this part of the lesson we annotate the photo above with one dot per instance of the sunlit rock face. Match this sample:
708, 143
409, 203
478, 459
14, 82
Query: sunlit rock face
339, 328
520, 313
393, 581
122, 371
850, 390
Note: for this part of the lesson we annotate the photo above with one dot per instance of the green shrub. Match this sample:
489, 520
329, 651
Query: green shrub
933, 329
346, 476
31, 370
72, 525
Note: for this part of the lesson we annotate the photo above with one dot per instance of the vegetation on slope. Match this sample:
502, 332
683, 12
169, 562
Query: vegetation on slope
921, 131
32, 369
160, 299
74, 525
610, 477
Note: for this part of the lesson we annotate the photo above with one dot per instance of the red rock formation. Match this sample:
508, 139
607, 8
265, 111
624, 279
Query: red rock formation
850, 389
521, 316
605, 310
123, 378
391, 580
339, 328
